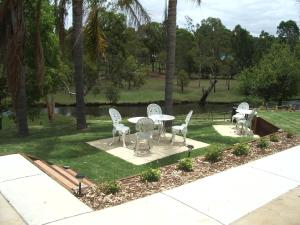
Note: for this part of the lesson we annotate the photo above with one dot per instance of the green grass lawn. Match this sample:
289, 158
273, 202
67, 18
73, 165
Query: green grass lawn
62, 144
289, 121
153, 90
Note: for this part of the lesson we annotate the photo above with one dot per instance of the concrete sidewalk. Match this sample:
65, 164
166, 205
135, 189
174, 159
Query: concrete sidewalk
219, 199
36, 197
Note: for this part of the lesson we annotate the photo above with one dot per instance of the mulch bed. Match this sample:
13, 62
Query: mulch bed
133, 188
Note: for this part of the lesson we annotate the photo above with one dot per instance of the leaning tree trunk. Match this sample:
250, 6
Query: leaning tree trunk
15, 63
207, 92
171, 46
78, 63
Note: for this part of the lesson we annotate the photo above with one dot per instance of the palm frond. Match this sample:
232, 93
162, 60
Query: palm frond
95, 38
136, 13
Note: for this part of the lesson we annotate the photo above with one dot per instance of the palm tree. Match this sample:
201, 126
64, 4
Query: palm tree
12, 24
171, 46
78, 63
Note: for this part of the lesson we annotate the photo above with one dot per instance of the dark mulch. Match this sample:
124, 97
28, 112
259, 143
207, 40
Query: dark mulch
133, 188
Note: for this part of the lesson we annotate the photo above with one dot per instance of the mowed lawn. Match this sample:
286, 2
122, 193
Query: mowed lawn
289, 121
60, 143
153, 90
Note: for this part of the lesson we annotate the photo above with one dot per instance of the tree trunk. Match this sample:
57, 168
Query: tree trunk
207, 92
15, 64
171, 46
39, 52
61, 23
78, 63
50, 107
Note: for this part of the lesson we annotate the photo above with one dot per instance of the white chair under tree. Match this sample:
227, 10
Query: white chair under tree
118, 127
182, 129
240, 116
144, 128
245, 125
154, 109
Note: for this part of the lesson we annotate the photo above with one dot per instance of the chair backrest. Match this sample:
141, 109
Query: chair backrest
188, 117
153, 109
144, 128
243, 105
115, 116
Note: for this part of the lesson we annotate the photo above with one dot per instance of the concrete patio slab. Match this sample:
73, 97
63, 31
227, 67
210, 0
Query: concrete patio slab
15, 167
227, 130
228, 195
285, 164
8, 215
158, 151
281, 211
155, 209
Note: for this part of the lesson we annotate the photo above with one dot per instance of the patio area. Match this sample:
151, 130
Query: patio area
158, 151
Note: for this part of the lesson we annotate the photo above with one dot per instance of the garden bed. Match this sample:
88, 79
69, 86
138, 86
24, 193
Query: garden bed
133, 188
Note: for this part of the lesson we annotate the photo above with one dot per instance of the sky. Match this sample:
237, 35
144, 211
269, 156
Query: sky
254, 15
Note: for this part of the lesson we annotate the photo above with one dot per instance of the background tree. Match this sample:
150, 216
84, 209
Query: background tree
151, 35
276, 77
182, 79
288, 33
243, 47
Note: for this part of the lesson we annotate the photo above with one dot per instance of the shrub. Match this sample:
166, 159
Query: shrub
289, 135
111, 187
274, 138
263, 143
185, 165
241, 149
214, 156
112, 93
151, 175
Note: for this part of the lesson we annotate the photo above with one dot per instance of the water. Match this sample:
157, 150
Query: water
140, 110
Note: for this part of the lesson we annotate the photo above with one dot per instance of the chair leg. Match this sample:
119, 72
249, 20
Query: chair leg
114, 134
184, 138
123, 139
173, 137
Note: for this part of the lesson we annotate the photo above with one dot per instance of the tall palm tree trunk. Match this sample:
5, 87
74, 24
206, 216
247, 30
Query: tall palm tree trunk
15, 63
78, 63
171, 46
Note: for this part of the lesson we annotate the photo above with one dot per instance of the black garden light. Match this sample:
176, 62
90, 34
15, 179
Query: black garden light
190, 148
80, 178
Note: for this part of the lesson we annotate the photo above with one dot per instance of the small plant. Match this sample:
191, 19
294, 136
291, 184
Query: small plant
214, 156
112, 93
263, 143
185, 165
289, 135
111, 187
241, 149
151, 175
274, 138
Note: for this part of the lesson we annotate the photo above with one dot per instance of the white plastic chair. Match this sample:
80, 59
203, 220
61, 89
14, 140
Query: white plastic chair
118, 127
144, 128
154, 109
239, 116
245, 125
182, 129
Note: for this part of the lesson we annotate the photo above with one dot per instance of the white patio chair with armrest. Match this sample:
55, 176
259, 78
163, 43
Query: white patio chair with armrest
246, 124
144, 128
118, 127
182, 129
239, 116
154, 109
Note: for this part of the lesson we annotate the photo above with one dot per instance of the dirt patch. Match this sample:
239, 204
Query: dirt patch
133, 188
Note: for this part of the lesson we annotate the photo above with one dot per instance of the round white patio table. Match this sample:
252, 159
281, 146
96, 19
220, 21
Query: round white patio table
135, 119
163, 118
244, 111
